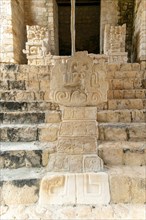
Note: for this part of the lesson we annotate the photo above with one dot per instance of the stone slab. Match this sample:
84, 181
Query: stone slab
65, 189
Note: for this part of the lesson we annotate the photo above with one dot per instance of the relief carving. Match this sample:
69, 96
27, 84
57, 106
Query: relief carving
37, 45
114, 43
76, 188
78, 81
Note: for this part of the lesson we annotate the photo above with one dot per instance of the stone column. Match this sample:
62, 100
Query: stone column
73, 26
140, 31
6, 38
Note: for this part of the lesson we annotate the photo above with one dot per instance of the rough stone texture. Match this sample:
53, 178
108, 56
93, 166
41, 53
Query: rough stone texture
114, 43
123, 153
114, 212
38, 44
12, 18
21, 190
126, 16
77, 147
23, 158
131, 183
139, 42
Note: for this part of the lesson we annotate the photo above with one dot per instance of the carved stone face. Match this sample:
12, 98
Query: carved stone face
79, 81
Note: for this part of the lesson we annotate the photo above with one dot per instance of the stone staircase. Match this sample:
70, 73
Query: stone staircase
29, 125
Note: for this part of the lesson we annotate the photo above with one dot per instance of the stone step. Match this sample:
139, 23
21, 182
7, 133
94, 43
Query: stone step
21, 186
121, 116
127, 83
15, 72
75, 212
117, 104
122, 131
123, 153
28, 133
12, 106
24, 96
15, 155
25, 85
127, 184
127, 94
30, 117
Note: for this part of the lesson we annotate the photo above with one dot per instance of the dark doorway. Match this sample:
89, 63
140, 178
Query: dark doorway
87, 26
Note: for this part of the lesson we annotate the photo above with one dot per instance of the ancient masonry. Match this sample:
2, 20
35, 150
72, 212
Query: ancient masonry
72, 128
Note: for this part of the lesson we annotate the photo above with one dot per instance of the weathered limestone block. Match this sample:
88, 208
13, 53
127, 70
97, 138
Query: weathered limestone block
18, 134
79, 113
82, 128
52, 117
123, 153
23, 158
77, 145
78, 81
112, 132
20, 192
126, 104
23, 118
130, 182
66, 189
137, 132
49, 133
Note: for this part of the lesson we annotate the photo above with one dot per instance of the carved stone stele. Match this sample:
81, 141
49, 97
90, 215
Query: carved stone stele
78, 81
37, 45
114, 43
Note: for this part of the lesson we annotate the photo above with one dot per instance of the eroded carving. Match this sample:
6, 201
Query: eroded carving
78, 81
57, 189
75, 189
38, 44
114, 43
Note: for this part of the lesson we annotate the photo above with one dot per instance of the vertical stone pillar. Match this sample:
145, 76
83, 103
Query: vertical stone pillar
108, 15
75, 171
6, 33
73, 26
12, 31
52, 11
77, 142
139, 39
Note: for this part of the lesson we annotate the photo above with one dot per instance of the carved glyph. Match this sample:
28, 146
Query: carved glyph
57, 189
38, 44
63, 189
114, 43
78, 81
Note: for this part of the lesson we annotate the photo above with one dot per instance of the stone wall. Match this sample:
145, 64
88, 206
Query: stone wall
12, 31
6, 35
43, 13
35, 12
126, 13
139, 39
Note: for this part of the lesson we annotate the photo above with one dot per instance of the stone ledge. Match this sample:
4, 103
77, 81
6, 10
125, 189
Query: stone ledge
78, 212
123, 153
